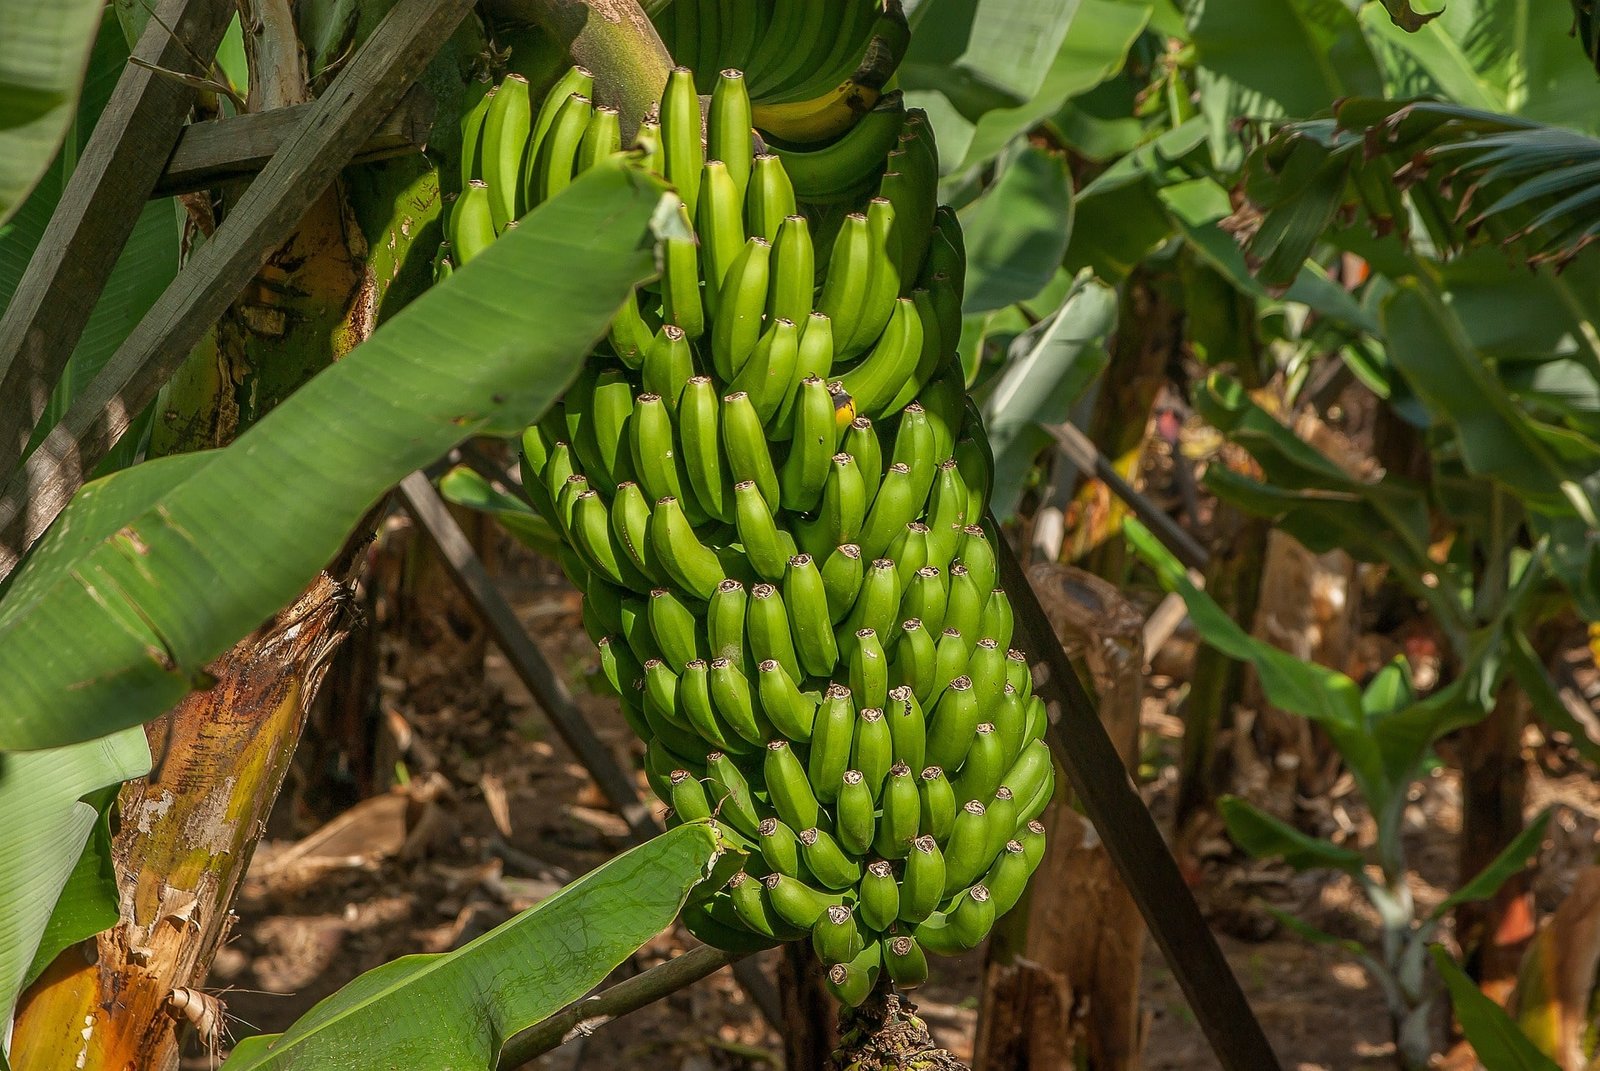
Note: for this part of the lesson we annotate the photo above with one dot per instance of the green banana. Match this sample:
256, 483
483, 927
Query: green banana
964, 605
836, 938
938, 804
674, 626
868, 669
720, 224
610, 412
767, 630
745, 447
741, 300
903, 958
925, 598
631, 333
873, 750
852, 983
768, 375
894, 508
692, 565
767, 548
682, 155
681, 302
832, 737
699, 434
949, 661
883, 285
779, 847
506, 129
879, 897
987, 668
914, 447
735, 804
790, 711
471, 224
472, 137
853, 813
788, 788
558, 153
962, 928
725, 614
842, 576
902, 814
1018, 674
998, 621
984, 765
811, 447
668, 364
907, 727
792, 278
654, 459
914, 660
806, 597
728, 126
688, 797
755, 910
844, 287
841, 511
694, 698
730, 694
955, 720
769, 201
1007, 878
1004, 819
601, 138
827, 861
923, 884
630, 524
878, 603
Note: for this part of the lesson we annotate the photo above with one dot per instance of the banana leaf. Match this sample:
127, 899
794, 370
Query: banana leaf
1017, 231
1506, 865
144, 580
44, 52
1494, 1036
457, 1009
1264, 836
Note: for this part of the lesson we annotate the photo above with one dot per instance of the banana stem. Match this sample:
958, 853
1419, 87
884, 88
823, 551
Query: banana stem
885, 1031
584, 1017
614, 39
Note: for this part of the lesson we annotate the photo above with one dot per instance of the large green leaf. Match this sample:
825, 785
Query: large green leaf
1532, 459
1267, 837
1017, 232
44, 52
143, 581
145, 267
44, 826
1065, 355
1512, 56
465, 487
1265, 59
1096, 44
456, 1010
984, 54
1496, 1039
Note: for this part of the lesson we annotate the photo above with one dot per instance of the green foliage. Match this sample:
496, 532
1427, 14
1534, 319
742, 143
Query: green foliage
43, 55
153, 572
1494, 1036
457, 1009
52, 802
1018, 231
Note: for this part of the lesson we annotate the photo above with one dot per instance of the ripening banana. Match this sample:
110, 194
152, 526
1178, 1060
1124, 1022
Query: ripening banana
771, 484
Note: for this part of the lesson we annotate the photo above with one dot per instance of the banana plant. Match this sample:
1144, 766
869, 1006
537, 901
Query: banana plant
1385, 733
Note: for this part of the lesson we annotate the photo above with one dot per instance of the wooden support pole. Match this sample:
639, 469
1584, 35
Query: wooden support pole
95, 216
226, 150
337, 124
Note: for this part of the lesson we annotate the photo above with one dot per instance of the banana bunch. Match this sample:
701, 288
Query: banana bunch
813, 66
770, 485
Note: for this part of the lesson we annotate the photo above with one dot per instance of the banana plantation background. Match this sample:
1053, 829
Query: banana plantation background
1151, 447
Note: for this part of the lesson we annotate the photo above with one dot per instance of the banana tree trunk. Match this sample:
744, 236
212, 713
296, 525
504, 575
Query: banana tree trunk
187, 833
